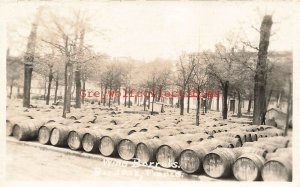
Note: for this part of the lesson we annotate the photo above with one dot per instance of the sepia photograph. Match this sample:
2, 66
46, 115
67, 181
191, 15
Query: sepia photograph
149, 91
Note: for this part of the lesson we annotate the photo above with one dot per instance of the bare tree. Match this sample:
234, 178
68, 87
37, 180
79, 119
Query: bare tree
185, 69
260, 77
29, 58
199, 80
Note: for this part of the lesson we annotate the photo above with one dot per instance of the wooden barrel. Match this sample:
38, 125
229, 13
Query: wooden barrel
75, 138
277, 169
274, 132
191, 158
127, 146
168, 153
287, 150
147, 149
60, 120
232, 142
11, 121
281, 152
59, 134
108, 143
268, 147
233, 134
27, 130
75, 116
45, 132
278, 141
91, 140
253, 136
248, 167
87, 119
213, 142
245, 150
218, 162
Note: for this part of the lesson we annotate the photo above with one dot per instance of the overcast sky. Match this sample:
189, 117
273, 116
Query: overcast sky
150, 30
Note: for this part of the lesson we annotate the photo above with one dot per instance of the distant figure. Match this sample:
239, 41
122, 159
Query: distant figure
263, 118
162, 109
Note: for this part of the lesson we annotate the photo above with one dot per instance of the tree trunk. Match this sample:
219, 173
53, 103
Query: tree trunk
27, 85
249, 104
198, 107
83, 88
210, 103
269, 98
144, 103
11, 89
56, 89
129, 97
206, 101
289, 107
66, 90
49, 85
188, 101
109, 97
239, 114
78, 89
225, 96
104, 98
18, 91
69, 90
28, 59
125, 102
181, 101
148, 98
119, 97
45, 87
159, 94
260, 77
279, 99
218, 102
153, 97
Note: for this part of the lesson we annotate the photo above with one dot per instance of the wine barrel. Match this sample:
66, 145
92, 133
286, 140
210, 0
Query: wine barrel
245, 150
278, 141
75, 138
91, 140
11, 121
248, 167
191, 158
280, 152
75, 116
59, 134
127, 146
147, 149
232, 142
60, 120
87, 119
108, 143
28, 129
218, 162
277, 169
253, 136
168, 153
274, 132
45, 132
266, 146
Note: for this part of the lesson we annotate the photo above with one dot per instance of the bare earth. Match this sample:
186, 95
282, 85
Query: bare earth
28, 163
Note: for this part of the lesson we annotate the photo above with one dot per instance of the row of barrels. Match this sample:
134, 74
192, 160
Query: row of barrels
165, 142
249, 163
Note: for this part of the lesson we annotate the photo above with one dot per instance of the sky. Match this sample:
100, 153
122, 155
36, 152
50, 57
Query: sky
150, 30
